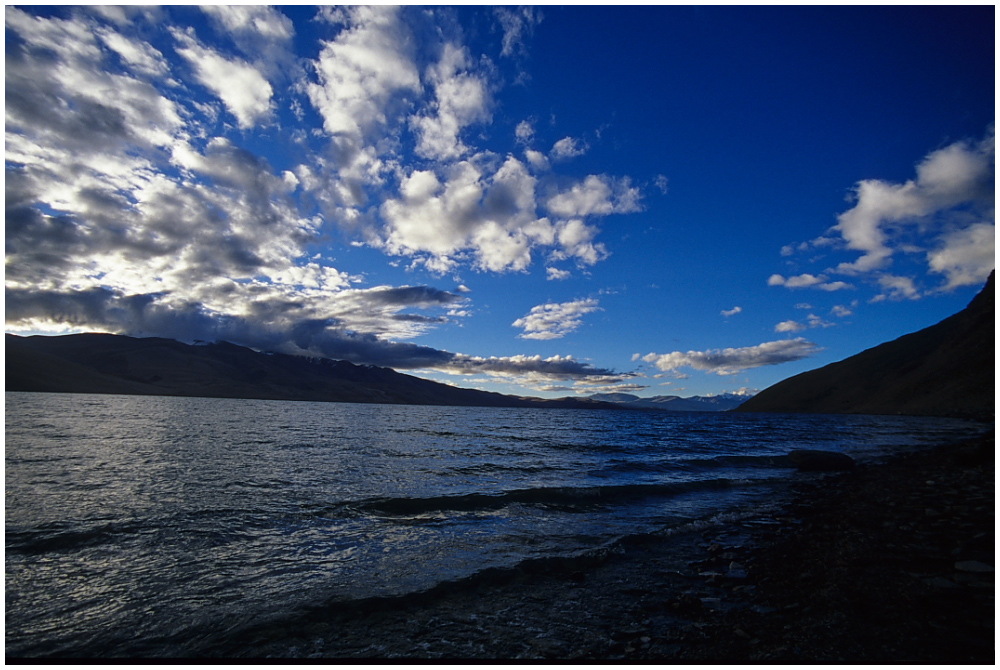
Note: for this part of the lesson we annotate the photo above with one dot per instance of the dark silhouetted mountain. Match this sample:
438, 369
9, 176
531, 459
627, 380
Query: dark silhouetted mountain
944, 370
101, 363
673, 403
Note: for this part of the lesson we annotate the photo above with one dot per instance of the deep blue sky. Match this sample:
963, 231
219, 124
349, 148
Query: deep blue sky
544, 201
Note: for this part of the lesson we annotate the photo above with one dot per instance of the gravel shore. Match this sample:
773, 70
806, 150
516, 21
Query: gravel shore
887, 563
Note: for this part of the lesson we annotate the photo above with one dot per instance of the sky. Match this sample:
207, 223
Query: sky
547, 201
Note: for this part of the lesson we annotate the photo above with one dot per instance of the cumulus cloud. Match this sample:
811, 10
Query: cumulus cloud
537, 159
966, 256
792, 326
363, 69
960, 174
552, 273
524, 132
731, 312
789, 327
733, 361
554, 320
895, 287
461, 98
568, 147
491, 216
807, 280
945, 213
135, 206
244, 91
596, 195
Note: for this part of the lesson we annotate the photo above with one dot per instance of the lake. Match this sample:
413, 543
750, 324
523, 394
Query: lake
153, 526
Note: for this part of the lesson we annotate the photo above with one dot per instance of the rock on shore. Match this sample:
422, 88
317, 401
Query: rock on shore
881, 564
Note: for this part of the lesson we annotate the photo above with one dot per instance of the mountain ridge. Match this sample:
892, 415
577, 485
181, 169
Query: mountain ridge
119, 364
673, 403
943, 370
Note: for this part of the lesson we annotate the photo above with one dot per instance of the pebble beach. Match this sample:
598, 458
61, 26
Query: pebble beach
889, 562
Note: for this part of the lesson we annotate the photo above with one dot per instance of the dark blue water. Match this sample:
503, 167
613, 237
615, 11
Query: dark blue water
150, 525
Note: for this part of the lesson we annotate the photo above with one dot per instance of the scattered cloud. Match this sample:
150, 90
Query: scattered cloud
537, 159
244, 91
596, 195
568, 147
841, 311
460, 99
965, 257
661, 183
896, 288
945, 213
557, 274
807, 281
132, 209
733, 361
949, 182
789, 327
518, 25
554, 320
731, 312
817, 322
524, 132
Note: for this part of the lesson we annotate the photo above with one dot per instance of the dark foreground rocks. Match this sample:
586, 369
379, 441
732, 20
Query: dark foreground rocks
885, 563
816, 460
890, 563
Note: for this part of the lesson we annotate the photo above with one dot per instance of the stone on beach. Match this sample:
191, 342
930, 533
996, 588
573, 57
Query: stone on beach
819, 460
973, 566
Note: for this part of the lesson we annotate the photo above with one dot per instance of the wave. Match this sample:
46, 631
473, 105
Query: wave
59, 537
561, 498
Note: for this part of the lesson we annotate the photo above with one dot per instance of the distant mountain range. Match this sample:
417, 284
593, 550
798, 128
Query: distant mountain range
102, 363
944, 370
673, 403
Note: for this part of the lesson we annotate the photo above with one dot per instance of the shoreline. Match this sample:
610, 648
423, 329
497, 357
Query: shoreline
891, 562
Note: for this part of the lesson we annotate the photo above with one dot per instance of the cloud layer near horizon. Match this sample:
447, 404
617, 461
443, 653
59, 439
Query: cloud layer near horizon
731, 361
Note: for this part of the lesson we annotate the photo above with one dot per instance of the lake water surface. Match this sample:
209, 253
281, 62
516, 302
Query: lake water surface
150, 526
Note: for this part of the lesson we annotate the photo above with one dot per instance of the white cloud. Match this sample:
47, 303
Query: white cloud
461, 98
662, 183
807, 281
362, 70
554, 320
957, 176
127, 212
556, 274
490, 216
596, 195
789, 327
244, 91
733, 361
266, 22
965, 257
817, 322
518, 24
841, 311
896, 288
537, 159
142, 57
731, 312
568, 147
576, 240
524, 132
